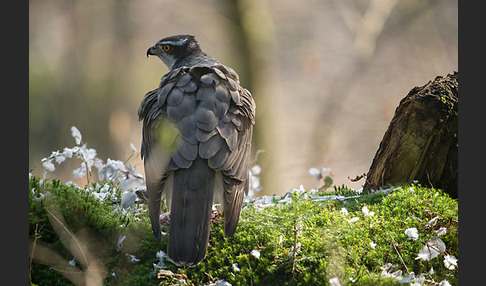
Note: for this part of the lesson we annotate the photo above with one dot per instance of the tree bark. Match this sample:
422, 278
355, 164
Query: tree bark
421, 141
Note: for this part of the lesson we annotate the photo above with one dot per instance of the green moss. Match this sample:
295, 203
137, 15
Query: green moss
328, 244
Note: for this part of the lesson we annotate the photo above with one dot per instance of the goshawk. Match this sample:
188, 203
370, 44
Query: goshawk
197, 131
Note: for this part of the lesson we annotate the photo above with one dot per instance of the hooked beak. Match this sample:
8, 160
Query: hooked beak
150, 51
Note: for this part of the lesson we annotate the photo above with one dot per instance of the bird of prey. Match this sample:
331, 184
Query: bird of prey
196, 141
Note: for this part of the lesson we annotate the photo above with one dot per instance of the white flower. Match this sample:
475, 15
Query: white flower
418, 280
433, 220
353, 220
412, 233
444, 283
68, 152
450, 262
72, 262
344, 211
255, 253
372, 244
366, 211
298, 245
408, 278
314, 172
81, 171
236, 268
161, 256
256, 170
88, 155
119, 244
49, 166
132, 148
441, 231
60, 158
128, 198
221, 282
132, 258
318, 173
76, 135
334, 282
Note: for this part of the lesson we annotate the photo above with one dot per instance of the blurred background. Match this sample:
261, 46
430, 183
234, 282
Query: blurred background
326, 75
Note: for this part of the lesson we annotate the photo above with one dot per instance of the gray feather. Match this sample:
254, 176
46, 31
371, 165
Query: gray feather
205, 119
183, 80
203, 136
229, 133
175, 97
187, 149
210, 147
217, 160
163, 92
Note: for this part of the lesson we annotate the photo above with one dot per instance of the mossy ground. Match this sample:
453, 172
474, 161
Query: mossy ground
329, 244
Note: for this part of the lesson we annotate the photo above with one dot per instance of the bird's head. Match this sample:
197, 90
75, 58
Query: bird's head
175, 50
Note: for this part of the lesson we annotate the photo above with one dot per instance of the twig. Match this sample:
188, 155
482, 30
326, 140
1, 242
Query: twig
36, 236
358, 177
294, 253
71, 234
400, 256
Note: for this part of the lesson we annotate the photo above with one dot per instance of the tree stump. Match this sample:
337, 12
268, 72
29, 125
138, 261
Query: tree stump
421, 140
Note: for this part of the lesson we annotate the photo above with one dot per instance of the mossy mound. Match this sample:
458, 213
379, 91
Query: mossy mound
352, 245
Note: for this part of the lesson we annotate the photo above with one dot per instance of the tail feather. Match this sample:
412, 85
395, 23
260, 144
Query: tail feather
232, 206
192, 195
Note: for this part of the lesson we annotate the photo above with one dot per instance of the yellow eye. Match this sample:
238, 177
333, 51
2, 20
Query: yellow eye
166, 48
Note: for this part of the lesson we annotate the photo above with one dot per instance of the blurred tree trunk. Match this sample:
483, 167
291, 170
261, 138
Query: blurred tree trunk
253, 32
421, 140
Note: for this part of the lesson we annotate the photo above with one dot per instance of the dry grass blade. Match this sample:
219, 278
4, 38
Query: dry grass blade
94, 272
44, 255
66, 236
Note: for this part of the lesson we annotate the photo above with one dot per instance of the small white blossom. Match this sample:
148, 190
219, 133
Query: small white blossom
132, 148
68, 152
49, 166
81, 171
128, 199
344, 211
407, 278
412, 233
72, 262
334, 282
433, 220
418, 280
255, 253
366, 211
132, 258
162, 257
60, 158
441, 231
318, 173
76, 135
236, 268
119, 244
372, 244
221, 282
256, 170
444, 283
450, 262
353, 220
298, 246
